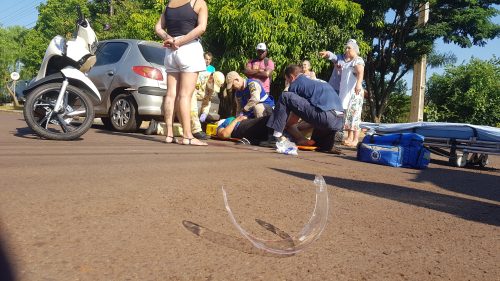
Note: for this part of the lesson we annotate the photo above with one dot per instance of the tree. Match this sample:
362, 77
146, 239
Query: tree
55, 17
131, 19
467, 93
435, 59
398, 105
10, 54
34, 45
293, 30
399, 102
390, 27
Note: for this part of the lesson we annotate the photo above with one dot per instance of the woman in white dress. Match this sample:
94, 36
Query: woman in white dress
351, 91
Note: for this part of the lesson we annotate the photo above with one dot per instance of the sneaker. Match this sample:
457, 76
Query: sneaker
200, 135
152, 129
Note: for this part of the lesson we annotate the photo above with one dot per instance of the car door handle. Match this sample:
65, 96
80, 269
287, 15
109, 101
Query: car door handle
110, 73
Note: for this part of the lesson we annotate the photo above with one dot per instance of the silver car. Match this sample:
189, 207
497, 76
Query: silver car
131, 78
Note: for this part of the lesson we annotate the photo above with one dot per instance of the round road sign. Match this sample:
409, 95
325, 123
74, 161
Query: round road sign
14, 76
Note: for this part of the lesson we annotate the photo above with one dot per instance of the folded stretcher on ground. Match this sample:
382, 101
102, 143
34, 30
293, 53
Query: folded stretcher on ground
461, 143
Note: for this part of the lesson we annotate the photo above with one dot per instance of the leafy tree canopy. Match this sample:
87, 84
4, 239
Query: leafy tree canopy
130, 18
10, 52
390, 27
293, 30
467, 93
398, 106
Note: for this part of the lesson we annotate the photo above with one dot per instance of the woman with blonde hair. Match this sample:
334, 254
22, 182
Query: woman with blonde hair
351, 91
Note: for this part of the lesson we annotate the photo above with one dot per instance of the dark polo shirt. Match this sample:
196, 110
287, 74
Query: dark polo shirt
319, 93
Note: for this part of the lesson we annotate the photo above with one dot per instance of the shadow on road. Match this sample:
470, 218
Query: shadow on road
100, 129
26, 133
464, 208
475, 184
467, 167
235, 243
6, 268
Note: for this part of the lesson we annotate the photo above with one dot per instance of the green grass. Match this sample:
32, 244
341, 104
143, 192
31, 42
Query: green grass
10, 107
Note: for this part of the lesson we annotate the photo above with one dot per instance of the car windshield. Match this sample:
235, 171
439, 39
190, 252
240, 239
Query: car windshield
153, 53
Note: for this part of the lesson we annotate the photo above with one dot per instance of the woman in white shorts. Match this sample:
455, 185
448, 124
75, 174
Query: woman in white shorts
185, 21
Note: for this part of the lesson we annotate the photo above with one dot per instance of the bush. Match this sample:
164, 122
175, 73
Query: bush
398, 109
5, 98
467, 93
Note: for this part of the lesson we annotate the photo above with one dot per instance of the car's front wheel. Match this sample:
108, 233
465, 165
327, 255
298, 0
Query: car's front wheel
123, 114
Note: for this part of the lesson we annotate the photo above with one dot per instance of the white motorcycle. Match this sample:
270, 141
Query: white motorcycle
60, 100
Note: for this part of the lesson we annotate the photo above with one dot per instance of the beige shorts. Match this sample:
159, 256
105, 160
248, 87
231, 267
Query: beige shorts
188, 58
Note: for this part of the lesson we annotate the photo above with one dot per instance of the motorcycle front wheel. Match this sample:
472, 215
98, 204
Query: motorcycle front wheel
71, 122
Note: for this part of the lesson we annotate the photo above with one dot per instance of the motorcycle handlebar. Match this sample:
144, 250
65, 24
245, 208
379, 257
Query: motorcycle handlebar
81, 19
79, 11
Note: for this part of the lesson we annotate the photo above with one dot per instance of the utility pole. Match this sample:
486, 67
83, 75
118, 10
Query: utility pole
111, 10
419, 74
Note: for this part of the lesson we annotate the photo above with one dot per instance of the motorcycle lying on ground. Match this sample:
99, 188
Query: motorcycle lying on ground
60, 100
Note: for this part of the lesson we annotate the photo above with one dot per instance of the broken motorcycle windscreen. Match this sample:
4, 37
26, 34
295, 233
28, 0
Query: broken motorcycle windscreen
289, 245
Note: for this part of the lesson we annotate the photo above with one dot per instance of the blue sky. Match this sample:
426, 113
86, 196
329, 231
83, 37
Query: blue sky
19, 12
23, 12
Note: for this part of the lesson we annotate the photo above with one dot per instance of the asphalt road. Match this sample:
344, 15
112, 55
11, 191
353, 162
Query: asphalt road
117, 206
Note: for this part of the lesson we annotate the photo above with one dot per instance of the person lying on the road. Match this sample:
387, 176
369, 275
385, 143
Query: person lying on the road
254, 130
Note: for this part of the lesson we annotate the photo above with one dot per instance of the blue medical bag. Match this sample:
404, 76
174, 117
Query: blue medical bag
396, 150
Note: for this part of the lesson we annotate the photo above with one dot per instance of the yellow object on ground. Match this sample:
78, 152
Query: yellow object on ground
211, 129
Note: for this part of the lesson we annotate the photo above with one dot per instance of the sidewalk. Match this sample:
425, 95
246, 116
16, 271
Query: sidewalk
10, 108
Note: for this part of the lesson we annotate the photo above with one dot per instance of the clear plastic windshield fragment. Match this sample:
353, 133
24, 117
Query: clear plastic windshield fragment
289, 245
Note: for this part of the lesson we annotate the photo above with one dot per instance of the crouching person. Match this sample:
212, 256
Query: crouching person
252, 99
207, 86
313, 101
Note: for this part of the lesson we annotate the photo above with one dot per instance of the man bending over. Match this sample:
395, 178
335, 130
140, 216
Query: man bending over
313, 101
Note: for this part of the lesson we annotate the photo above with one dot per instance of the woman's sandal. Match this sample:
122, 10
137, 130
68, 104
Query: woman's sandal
351, 144
189, 141
171, 138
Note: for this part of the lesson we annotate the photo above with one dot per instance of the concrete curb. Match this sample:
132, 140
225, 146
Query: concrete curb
11, 110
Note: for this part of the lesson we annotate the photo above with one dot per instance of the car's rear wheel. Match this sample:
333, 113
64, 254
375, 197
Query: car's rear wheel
123, 114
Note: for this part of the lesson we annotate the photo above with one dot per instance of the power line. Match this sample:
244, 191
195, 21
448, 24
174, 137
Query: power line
19, 13
30, 25
19, 17
16, 12
12, 6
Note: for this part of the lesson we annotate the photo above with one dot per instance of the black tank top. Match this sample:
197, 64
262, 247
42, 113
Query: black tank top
180, 20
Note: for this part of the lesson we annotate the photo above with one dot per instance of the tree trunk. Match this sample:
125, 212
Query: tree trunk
370, 87
13, 95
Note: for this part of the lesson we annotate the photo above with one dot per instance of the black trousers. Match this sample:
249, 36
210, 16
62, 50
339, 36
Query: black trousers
254, 130
325, 123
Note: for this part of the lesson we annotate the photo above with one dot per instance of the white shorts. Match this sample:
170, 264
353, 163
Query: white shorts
188, 58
